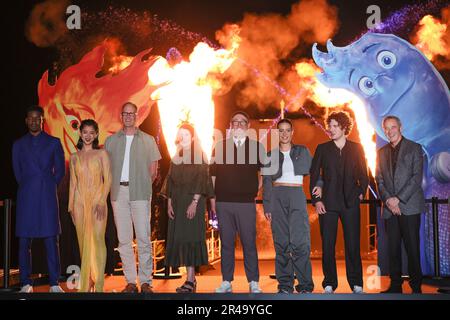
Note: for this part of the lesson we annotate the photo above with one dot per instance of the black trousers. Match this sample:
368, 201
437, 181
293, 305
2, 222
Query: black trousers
406, 228
351, 221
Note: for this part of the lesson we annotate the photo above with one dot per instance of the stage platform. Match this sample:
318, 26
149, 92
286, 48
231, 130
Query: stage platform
210, 278
201, 297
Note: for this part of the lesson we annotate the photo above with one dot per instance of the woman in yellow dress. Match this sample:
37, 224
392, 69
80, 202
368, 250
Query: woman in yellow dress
90, 182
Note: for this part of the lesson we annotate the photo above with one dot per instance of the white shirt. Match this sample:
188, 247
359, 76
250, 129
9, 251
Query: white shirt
287, 170
237, 140
126, 160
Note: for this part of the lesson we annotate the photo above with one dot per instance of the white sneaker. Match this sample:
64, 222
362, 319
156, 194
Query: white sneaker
254, 287
357, 289
328, 289
26, 289
56, 289
225, 287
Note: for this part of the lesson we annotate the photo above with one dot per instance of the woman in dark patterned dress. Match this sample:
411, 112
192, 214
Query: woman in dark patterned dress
188, 185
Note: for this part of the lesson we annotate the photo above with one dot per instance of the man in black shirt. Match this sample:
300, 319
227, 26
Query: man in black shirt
235, 174
395, 148
338, 183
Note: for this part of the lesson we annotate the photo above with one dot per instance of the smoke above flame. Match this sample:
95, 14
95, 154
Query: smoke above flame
46, 24
268, 41
433, 38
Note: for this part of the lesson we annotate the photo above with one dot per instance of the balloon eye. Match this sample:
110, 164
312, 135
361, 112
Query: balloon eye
73, 121
386, 59
366, 85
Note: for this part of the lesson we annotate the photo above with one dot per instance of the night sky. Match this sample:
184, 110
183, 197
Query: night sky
25, 62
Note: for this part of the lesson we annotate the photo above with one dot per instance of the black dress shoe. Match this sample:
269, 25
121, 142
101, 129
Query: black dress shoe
284, 291
130, 288
393, 290
303, 290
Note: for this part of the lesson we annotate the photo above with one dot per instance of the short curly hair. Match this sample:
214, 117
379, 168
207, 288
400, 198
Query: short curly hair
343, 119
35, 108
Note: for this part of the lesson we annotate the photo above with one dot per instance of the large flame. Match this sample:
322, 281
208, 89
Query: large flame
329, 98
78, 94
186, 92
119, 63
430, 37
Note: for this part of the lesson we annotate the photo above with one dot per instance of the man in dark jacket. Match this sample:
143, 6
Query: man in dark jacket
399, 181
38, 163
339, 172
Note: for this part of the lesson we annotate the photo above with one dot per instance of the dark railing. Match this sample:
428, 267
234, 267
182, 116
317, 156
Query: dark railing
7, 209
435, 202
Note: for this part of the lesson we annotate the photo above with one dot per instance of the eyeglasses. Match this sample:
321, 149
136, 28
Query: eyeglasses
241, 123
129, 114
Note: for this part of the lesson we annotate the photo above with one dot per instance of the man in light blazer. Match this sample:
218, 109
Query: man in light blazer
399, 180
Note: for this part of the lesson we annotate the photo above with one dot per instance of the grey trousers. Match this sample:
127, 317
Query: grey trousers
291, 237
236, 217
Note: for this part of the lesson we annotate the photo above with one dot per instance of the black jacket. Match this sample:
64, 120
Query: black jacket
343, 176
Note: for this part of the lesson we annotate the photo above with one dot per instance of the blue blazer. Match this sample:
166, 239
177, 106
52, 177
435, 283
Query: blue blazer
39, 167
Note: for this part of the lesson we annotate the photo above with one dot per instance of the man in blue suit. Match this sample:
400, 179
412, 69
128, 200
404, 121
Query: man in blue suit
39, 166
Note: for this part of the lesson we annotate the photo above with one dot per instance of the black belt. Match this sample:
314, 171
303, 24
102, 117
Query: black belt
125, 183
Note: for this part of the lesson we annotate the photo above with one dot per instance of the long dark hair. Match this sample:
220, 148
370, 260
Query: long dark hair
88, 123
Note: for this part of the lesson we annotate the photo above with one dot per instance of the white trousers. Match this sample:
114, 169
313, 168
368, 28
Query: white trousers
126, 215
